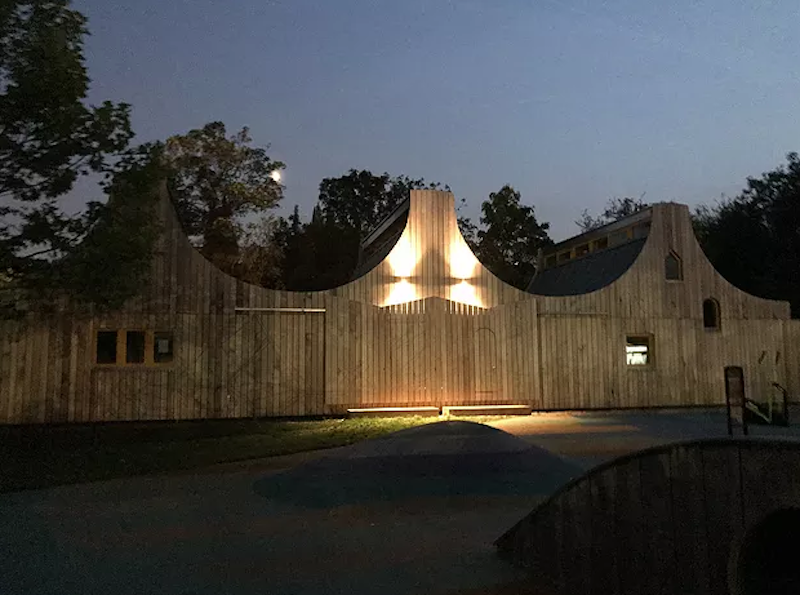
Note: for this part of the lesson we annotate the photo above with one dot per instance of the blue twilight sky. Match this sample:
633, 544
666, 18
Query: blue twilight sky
570, 101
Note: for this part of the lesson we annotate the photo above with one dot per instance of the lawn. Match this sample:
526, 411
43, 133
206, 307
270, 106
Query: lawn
43, 456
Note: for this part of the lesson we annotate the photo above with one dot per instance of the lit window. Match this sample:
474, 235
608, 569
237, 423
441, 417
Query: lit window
711, 314
134, 347
638, 351
162, 348
673, 270
106, 350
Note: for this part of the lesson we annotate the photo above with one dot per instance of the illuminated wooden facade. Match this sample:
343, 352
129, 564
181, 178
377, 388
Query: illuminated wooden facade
427, 325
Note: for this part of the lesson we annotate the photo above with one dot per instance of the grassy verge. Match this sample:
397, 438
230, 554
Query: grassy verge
43, 456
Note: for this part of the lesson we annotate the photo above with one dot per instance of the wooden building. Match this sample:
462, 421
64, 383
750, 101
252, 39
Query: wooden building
630, 315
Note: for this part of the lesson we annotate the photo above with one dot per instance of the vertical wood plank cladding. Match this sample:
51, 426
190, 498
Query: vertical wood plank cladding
507, 346
7, 339
792, 357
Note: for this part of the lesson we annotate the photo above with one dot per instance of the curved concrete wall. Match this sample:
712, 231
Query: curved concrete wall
671, 519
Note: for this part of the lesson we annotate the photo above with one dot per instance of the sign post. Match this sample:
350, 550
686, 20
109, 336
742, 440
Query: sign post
735, 398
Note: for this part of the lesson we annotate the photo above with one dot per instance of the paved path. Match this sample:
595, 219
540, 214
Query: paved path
589, 438
414, 512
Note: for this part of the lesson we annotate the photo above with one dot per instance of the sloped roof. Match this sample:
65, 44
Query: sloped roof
374, 259
589, 273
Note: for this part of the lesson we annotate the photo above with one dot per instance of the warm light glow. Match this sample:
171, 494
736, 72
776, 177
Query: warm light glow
462, 260
276, 175
636, 355
401, 292
465, 293
402, 258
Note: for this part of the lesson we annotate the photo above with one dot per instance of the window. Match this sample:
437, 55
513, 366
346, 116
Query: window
601, 244
550, 261
638, 351
673, 269
581, 250
564, 256
711, 314
642, 230
106, 347
619, 237
134, 347
162, 348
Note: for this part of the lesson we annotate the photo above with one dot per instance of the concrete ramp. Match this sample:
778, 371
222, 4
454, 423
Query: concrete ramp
710, 516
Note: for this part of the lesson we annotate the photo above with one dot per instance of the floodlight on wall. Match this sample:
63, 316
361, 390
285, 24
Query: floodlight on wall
401, 292
462, 261
465, 293
403, 258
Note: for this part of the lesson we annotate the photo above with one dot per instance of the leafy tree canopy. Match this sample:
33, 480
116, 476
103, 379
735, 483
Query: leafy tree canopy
754, 239
361, 200
616, 209
510, 237
217, 180
48, 138
320, 254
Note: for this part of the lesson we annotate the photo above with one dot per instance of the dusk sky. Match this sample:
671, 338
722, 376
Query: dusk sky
572, 102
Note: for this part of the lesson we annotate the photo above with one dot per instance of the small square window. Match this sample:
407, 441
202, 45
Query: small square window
601, 244
638, 351
581, 250
564, 256
134, 347
106, 347
162, 348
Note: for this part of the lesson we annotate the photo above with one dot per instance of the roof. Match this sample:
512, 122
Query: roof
604, 230
589, 273
369, 262
400, 210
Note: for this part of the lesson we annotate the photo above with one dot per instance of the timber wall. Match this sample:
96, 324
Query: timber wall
429, 325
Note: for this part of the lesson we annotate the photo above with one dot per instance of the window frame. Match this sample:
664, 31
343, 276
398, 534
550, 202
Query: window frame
714, 302
679, 260
171, 338
121, 361
144, 334
633, 339
97, 345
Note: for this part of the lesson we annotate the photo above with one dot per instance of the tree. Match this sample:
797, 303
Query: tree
754, 239
616, 209
324, 252
511, 237
217, 180
259, 260
361, 200
48, 138
469, 231
317, 255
